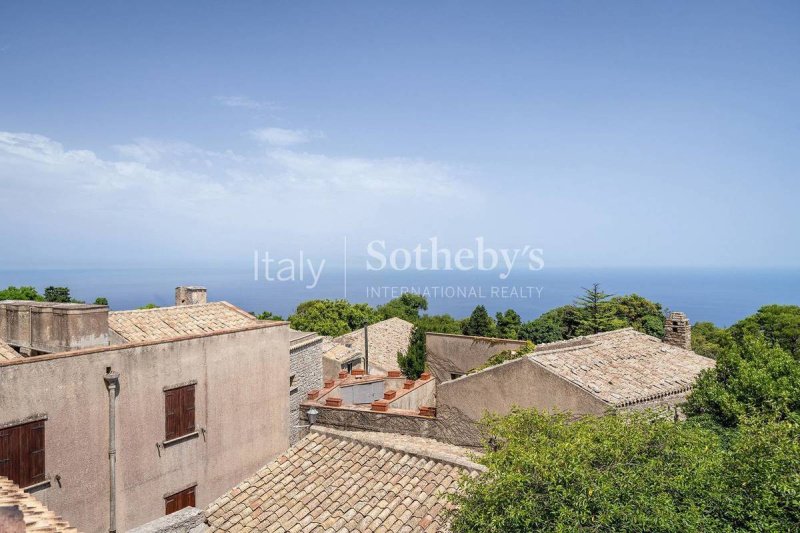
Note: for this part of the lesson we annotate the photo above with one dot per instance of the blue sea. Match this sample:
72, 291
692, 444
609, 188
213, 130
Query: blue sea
722, 296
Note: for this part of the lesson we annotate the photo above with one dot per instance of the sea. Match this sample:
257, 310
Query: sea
721, 296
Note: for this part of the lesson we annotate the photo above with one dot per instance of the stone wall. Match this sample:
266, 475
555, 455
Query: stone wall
678, 331
305, 365
458, 354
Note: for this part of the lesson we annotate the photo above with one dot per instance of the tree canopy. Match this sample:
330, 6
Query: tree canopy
479, 323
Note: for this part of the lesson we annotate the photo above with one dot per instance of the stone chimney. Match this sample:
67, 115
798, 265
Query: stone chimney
190, 295
678, 331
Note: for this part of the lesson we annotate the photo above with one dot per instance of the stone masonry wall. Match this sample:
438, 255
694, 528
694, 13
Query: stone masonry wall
305, 364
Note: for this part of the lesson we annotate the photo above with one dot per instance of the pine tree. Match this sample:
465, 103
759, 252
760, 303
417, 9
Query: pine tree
596, 315
479, 324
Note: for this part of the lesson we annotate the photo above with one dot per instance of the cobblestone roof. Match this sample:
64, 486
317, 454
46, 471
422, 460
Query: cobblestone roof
386, 338
623, 367
7, 353
335, 480
165, 322
36, 516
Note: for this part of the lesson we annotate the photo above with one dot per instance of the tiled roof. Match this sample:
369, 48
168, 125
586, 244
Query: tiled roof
386, 338
167, 322
339, 352
335, 480
7, 353
35, 515
623, 367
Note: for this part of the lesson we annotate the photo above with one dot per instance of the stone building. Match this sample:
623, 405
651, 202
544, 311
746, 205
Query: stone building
386, 338
197, 395
305, 374
678, 331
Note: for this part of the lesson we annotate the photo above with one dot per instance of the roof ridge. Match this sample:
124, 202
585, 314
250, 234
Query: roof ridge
170, 307
408, 449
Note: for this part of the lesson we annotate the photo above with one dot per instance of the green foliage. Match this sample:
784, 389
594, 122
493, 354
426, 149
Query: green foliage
57, 294
479, 324
267, 315
596, 313
149, 306
506, 355
332, 317
101, 301
412, 363
630, 472
639, 313
439, 324
407, 307
751, 378
20, 293
709, 340
779, 324
508, 324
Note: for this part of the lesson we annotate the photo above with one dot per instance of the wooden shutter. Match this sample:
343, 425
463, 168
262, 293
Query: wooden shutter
172, 409
35, 452
5, 454
179, 500
187, 409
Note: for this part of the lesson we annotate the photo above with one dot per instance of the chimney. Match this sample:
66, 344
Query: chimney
190, 295
678, 331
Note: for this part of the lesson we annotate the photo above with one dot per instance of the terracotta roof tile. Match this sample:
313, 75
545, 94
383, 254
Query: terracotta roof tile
167, 322
326, 482
7, 353
623, 367
36, 516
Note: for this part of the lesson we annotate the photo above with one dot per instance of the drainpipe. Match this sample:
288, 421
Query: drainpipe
366, 350
112, 384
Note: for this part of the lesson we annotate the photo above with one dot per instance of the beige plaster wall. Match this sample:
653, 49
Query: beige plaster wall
241, 402
458, 354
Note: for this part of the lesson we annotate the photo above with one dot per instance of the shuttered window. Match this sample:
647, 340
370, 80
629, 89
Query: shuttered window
179, 500
179, 411
22, 453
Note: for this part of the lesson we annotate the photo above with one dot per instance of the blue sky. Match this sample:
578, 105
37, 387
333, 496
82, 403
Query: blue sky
192, 133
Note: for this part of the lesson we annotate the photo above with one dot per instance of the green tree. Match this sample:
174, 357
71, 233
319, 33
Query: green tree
779, 324
412, 363
541, 330
506, 355
20, 293
630, 472
508, 324
709, 340
641, 314
267, 315
750, 379
596, 313
57, 294
101, 301
479, 324
149, 306
439, 324
407, 307
332, 317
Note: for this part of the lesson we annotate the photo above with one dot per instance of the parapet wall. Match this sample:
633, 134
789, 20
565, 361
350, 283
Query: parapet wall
458, 354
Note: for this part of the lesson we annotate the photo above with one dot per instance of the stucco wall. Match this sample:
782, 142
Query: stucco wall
241, 403
305, 362
423, 394
520, 382
458, 354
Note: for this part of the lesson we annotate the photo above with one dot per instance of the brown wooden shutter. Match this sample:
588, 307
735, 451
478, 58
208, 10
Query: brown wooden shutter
179, 500
171, 503
172, 409
5, 454
188, 498
35, 449
187, 409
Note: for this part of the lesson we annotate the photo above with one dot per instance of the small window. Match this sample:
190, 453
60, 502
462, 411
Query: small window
179, 500
675, 330
179, 411
350, 367
22, 453
455, 376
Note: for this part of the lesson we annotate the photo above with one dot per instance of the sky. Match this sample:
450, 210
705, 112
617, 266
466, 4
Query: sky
634, 134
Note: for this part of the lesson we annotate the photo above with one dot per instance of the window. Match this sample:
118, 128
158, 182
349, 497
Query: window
293, 384
179, 500
179, 410
455, 375
22, 453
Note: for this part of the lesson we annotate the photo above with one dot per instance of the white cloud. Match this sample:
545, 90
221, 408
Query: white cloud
247, 103
284, 137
